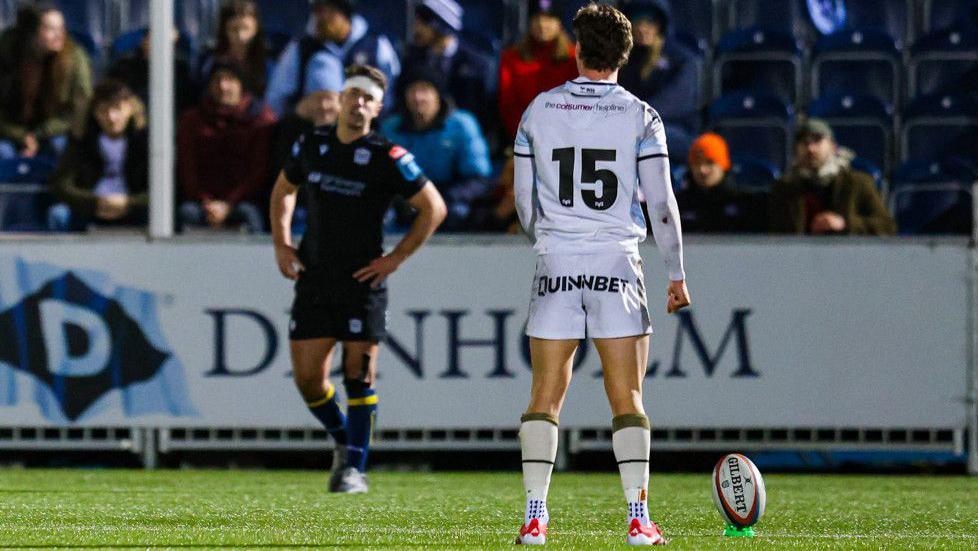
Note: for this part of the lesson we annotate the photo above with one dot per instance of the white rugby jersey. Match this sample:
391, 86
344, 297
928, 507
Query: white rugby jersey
583, 151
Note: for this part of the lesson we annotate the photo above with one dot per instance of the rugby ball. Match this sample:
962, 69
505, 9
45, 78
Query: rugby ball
738, 490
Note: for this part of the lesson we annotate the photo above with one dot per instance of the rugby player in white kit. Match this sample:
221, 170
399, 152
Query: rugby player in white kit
583, 152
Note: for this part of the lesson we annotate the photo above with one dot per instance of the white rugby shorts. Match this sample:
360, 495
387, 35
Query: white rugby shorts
594, 295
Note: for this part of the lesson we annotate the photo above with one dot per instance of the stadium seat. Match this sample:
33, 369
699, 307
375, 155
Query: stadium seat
753, 174
787, 16
696, 23
937, 127
87, 42
758, 60
944, 62
195, 19
484, 25
861, 123
679, 140
90, 19
933, 197
860, 61
895, 17
285, 18
756, 125
941, 14
127, 43
864, 165
24, 195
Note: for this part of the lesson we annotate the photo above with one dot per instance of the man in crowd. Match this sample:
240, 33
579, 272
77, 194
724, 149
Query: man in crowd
223, 149
338, 32
709, 201
821, 194
468, 75
446, 141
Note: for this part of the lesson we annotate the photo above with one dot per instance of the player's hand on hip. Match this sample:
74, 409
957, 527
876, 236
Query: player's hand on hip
288, 261
678, 296
378, 270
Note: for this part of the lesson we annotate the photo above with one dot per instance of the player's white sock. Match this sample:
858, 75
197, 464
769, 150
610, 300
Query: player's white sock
538, 440
631, 442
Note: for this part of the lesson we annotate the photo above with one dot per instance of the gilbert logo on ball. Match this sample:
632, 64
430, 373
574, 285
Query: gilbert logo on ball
738, 490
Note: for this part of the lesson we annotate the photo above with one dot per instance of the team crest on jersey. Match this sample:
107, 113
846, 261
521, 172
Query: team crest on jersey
296, 148
356, 325
360, 58
323, 148
315, 177
361, 156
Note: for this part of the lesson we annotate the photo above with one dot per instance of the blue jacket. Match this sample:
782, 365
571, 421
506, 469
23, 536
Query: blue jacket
363, 47
453, 154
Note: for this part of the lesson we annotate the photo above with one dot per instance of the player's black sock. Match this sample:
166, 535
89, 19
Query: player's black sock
360, 415
329, 414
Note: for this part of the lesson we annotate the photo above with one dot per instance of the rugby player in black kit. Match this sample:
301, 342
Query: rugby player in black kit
349, 176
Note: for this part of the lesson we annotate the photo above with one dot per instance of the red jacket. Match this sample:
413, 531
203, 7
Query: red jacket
520, 80
223, 152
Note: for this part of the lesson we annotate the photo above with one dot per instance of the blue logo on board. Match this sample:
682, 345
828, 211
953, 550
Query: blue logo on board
82, 338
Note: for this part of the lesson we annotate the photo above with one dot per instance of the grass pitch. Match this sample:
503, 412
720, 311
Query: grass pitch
114, 508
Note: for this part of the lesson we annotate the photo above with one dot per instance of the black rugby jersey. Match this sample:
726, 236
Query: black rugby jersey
348, 189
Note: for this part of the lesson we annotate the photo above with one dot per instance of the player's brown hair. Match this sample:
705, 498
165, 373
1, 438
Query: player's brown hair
372, 73
604, 37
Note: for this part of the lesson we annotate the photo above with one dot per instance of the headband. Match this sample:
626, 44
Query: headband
366, 84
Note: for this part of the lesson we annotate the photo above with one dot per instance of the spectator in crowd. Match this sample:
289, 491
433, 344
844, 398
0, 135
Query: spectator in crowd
103, 177
223, 150
447, 143
495, 212
45, 84
468, 75
660, 71
337, 32
241, 42
319, 107
545, 58
822, 194
709, 201
133, 69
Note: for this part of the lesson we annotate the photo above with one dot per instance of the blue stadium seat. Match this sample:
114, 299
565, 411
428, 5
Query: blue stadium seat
895, 17
696, 23
753, 174
388, 18
788, 16
864, 165
941, 14
679, 140
127, 43
24, 195
756, 125
287, 18
861, 123
944, 62
937, 127
933, 197
87, 42
89, 18
484, 24
758, 60
860, 61
195, 19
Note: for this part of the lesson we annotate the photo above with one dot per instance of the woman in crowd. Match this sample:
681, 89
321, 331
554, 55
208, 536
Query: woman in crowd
241, 42
45, 84
542, 60
103, 176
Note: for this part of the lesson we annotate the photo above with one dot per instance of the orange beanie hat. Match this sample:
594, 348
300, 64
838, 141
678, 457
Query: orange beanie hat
713, 147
